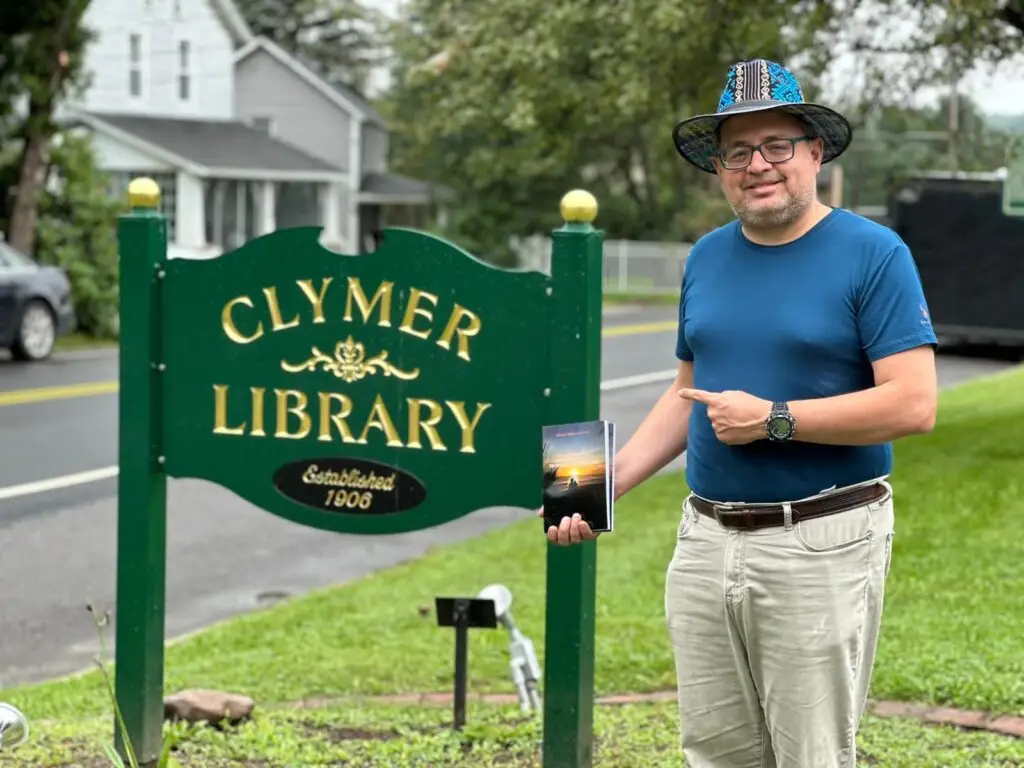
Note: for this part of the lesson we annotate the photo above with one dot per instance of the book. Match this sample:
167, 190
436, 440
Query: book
579, 473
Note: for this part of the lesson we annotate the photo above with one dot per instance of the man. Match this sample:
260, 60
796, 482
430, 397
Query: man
805, 349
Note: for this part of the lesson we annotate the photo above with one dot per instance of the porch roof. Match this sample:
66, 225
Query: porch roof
214, 148
393, 188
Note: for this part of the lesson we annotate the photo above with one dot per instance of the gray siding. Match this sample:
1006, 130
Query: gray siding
374, 150
301, 115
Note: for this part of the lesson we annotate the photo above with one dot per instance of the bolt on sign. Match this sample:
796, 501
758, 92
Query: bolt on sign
374, 394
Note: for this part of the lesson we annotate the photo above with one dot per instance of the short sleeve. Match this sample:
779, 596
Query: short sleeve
683, 351
892, 311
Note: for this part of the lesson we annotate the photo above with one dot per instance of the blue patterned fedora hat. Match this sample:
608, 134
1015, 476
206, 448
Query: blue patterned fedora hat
755, 86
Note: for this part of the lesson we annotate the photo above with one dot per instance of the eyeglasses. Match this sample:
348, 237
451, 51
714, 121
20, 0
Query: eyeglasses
773, 151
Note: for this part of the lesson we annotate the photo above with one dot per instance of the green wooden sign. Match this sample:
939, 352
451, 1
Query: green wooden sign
1013, 188
373, 394
382, 393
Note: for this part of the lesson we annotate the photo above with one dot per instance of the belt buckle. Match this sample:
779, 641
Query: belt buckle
746, 515
717, 509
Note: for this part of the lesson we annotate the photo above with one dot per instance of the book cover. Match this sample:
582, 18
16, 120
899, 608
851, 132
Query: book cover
579, 473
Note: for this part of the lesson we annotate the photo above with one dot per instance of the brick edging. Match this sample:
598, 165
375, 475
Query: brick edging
978, 720
972, 719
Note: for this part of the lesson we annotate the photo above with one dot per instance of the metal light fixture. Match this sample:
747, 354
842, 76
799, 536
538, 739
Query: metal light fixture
523, 660
13, 727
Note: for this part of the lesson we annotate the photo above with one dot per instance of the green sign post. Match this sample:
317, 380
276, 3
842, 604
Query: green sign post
370, 394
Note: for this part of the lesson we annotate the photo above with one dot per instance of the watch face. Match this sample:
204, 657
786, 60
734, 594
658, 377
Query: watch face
780, 426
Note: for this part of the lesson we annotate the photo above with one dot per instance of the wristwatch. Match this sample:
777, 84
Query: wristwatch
780, 424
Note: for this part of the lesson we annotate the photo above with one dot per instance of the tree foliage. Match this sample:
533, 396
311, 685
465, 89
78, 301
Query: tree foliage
512, 102
41, 64
57, 205
897, 141
529, 98
906, 44
78, 231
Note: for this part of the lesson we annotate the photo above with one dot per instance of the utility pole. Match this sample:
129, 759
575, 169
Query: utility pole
954, 113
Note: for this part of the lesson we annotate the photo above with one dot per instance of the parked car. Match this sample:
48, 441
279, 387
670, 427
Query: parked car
35, 305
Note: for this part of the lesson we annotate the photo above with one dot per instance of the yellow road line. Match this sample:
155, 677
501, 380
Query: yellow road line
46, 394
92, 388
638, 328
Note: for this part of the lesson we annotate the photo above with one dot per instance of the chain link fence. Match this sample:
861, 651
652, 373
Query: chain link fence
630, 266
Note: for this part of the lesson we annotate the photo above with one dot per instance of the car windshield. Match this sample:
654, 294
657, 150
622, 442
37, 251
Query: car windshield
13, 258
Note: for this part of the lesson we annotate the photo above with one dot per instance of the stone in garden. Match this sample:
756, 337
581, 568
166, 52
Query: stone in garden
214, 707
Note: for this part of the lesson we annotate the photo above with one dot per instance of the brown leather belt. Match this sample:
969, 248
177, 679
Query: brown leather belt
773, 515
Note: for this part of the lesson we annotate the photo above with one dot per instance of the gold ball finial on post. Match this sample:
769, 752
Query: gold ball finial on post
579, 207
143, 192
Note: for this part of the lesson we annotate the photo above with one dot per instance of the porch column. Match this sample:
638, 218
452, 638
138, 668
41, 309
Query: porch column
189, 211
268, 208
330, 210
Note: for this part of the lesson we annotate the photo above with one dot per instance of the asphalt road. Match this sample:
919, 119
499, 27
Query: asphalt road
57, 547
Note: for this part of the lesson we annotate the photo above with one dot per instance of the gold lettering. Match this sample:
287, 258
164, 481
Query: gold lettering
468, 427
276, 321
327, 400
453, 328
228, 322
412, 309
380, 419
383, 295
316, 299
257, 412
428, 424
284, 410
220, 412
348, 478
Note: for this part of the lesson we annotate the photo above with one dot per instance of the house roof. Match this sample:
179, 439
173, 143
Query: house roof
213, 147
393, 187
232, 20
342, 96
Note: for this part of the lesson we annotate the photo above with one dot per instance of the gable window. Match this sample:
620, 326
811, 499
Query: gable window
135, 65
184, 70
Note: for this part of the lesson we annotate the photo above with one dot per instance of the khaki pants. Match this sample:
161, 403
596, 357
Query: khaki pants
774, 632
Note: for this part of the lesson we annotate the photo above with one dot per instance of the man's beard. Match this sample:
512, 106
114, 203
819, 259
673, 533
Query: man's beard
778, 215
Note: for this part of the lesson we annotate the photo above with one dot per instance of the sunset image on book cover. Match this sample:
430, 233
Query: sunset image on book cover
579, 473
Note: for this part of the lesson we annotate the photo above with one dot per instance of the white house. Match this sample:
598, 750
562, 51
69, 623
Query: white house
241, 137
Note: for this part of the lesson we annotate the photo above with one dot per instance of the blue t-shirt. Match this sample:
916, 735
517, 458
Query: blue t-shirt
793, 322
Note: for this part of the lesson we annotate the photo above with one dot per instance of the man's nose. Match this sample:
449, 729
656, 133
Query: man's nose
757, 163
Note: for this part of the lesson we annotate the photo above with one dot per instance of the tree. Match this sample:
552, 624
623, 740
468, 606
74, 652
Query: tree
512, 102
903, 45
78, 231
337, 37
898, 140
47, 64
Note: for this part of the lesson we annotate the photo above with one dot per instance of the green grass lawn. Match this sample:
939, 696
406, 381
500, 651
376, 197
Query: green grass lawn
73, 341
951, 635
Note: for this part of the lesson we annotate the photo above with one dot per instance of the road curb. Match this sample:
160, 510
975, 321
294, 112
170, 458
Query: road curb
967, 719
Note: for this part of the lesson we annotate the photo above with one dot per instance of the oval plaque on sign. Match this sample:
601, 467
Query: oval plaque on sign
349, 486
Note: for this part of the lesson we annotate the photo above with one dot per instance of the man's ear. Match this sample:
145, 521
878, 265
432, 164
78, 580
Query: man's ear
819, 148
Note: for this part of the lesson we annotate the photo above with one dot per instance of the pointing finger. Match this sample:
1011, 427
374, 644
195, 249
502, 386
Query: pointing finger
698, 395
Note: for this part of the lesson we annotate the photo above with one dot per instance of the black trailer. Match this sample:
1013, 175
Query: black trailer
969, 252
